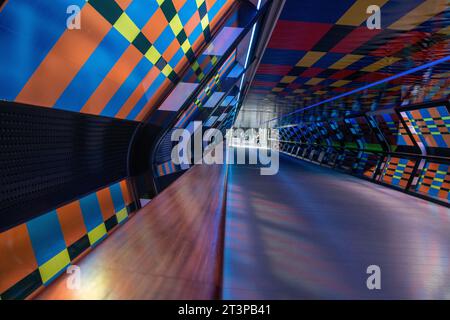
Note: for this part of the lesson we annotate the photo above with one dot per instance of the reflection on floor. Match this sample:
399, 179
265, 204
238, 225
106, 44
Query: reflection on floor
168, 250
307, 232
311, 232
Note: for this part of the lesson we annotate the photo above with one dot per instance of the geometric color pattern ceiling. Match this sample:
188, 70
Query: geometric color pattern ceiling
321, 49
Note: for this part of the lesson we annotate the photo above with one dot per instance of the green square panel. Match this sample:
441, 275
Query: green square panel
109, 9
141, 43
168, 9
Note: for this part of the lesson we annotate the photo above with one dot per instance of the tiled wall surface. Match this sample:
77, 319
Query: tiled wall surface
33, 254
407, 148
435, 181
126, 55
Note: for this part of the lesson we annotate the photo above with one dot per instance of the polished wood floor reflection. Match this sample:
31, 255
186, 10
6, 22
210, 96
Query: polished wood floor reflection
169, 250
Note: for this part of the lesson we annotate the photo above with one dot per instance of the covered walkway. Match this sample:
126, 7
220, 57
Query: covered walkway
308, 232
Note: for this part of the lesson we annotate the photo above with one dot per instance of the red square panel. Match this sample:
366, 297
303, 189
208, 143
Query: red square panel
294, 35
355, 39
341, 89
373, 76
260, 91
399, 43
280, 70
311, 72
264, 84
294, 85
341, 74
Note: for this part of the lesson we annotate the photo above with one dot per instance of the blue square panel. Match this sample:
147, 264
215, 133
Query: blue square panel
46, 236
140, 11
91, 211
117, 197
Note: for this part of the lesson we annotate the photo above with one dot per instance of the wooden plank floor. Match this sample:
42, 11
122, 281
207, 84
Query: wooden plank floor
169, 250
310, 233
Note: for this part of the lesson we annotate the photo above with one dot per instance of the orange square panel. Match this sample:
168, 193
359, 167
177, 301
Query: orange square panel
17, 258
155, 26
106, 203
72, 223
125, 192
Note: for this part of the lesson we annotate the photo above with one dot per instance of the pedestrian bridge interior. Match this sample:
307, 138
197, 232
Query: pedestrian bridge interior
352, 102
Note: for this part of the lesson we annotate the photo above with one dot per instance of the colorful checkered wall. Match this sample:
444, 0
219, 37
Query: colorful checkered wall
33, 254
397, 171
314, 82
430, 126
167, 168
125, 57
366, 164
435, 181
330, 98
365, 136
397, 147
122, 61
393, 130
212, 86
203, 104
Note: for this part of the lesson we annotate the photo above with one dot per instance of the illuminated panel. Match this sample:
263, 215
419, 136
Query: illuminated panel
364, 136
288, 133
435, 181
436, 88
210, 121
213, 85
393, 130
347, 159
193, 77
432, 125
397, 171
302, 133
214, 100
177, 97
315, 136
336, 134
200, 68
325, 131
296, 134
291, 133
283, 133
366, 164
303, 136
221, 43
123, 59
166, 168
344, 132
